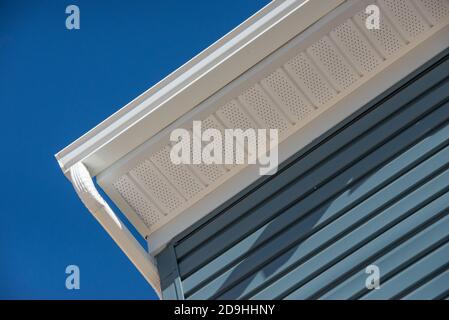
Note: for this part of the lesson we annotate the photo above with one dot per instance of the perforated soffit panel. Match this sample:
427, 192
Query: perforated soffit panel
288, 90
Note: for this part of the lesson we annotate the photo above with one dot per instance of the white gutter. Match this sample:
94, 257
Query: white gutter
181, 91
118, 142
86, 190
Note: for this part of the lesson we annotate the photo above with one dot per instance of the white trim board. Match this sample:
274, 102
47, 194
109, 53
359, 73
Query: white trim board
329, 114
350, 104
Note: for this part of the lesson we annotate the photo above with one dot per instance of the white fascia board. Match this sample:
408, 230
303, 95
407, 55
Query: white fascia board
116, 142
181, 91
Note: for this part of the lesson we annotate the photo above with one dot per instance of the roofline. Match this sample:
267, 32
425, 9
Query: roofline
253, 40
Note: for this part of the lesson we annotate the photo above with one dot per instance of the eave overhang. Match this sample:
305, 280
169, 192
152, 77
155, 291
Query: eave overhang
192, 83
317, 52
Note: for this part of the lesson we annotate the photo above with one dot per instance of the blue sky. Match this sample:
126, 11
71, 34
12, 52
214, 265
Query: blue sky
56, 84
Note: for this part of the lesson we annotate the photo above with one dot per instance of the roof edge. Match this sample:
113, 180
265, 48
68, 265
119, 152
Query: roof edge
195, 81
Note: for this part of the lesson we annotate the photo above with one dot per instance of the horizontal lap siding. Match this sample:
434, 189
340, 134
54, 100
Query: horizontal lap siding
376, 191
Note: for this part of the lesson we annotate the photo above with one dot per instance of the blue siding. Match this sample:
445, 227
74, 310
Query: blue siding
373, 190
